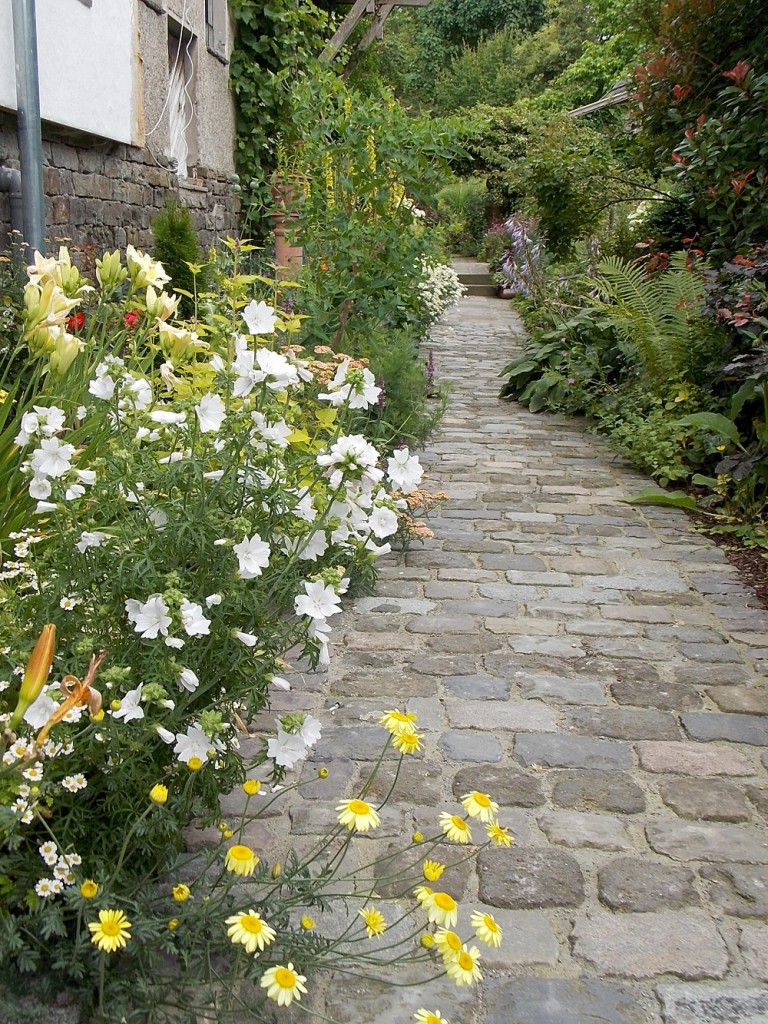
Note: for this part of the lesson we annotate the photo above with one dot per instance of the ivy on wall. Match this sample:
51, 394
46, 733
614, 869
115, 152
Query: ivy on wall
275, 41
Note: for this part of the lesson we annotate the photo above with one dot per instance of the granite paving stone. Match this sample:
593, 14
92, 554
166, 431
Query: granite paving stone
600, 671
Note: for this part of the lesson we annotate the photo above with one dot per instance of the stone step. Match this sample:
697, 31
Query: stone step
475, 277
489, 290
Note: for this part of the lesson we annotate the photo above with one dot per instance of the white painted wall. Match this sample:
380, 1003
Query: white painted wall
88, 62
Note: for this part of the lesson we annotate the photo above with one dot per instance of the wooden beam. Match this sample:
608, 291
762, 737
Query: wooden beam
345, 29
376, 30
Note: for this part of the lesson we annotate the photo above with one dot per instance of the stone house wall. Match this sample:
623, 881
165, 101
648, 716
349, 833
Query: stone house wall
104, 194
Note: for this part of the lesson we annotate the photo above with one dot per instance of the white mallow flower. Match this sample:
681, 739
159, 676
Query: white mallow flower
92, 539
272, 433
103, 384
304, 509
259, 317
356, 387
39, 488
193, 620
310, 730
150, 618
318, 601
52, 458
194, 743
86, 476
167, 417
404, 470
309, 549
39, 711
246, 638
136, 393
188, 680
212, 600
264, 365
287, 748
279, 683
175, 642
353, 458
211, 413
45, 420
165, 734
73, 491
382, 522
320, 630
253, 555
130, 706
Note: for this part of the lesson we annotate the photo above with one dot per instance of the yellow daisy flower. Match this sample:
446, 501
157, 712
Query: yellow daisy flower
173, 924
455, 828
487, 928
480, 805
181, 892
194, 764
398, 722
441, 909
374, 921
249, 930
432, 870
429, 1017
251, 787
427, 940
357, 815
307, 923
158, 794
408, 742
241, 860
422, 893
283, 984
111, 932
464, 969
448, 943
499, 835
88, 889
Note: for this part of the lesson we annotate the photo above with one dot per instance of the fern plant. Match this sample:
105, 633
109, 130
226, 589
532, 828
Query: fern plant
658, 319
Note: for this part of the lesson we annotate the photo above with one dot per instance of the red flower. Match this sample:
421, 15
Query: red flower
75, 321
132, 318
739, 72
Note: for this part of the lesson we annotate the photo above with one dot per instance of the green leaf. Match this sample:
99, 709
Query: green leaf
652, 496
714, 423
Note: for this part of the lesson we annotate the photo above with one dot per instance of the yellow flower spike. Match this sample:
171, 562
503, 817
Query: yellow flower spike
455, 828
375, 924
36, 673
307, 923
111, 932
283, 984
251, 787
181, 892
499, 835
480, 805
88, 889
241, 860
194, 764
487, 929
432, 870
158, 794
357, 815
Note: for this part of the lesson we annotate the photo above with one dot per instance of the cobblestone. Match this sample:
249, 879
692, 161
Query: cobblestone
641, 885
713, 1004
710, 799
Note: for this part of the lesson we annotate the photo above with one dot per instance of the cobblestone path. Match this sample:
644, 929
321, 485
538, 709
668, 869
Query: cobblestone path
600, 670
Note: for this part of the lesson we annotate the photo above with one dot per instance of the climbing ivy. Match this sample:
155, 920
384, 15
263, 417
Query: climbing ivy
276, 41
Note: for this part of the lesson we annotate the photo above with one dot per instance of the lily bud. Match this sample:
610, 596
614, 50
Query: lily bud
36, 673
109, 272
66, 348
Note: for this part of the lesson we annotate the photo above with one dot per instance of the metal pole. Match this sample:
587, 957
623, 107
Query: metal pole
28, 109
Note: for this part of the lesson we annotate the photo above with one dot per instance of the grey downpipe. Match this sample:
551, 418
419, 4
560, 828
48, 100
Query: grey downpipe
30, 133
10, 182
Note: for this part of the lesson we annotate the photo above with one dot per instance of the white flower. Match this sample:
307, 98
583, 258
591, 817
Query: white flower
52, 458
174, 641
74, 783
91, 540
86, 476
253, 555
279, 683
144, 270
351, 457
49, 851
39, 488
318, 601
404, 470
310, 730
130, 705
259, 317
359, 391
188, 680
286, 748
193, 620
151, 618
168, 417
309, 550
193, 743
273, 368
211, 413
276, 433
382, 521
73, 491
38, 713
44, 888
103, 385
246, 638
165, 734
68, 603
136, 393
212, 599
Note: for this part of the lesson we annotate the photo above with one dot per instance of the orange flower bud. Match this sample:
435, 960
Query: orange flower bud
36, 673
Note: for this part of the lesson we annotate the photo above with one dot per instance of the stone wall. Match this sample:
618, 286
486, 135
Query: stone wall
104, 194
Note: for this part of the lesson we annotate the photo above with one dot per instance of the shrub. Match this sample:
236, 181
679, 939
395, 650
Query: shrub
176, 246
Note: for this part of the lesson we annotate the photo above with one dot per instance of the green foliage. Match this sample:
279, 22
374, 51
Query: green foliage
464, 208
176, 246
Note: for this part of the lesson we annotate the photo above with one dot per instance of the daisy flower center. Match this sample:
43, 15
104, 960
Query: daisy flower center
111, 928
482, 799
242, 853
359, 807
444, 901
285, 978
466, 962
459, 823
251, 924
453, 941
